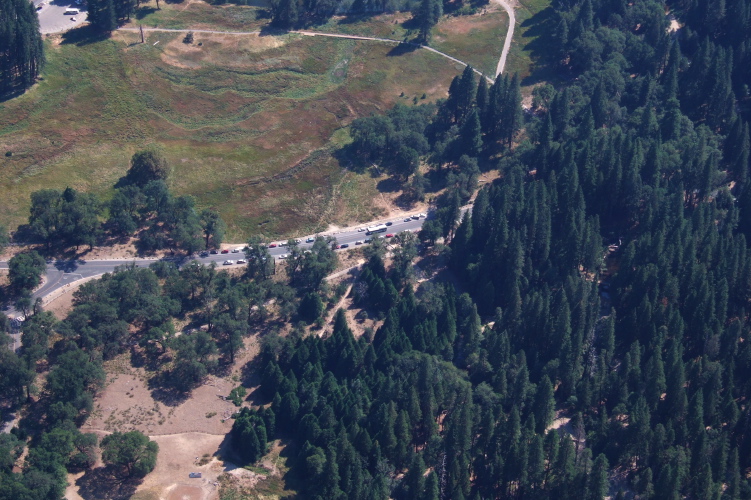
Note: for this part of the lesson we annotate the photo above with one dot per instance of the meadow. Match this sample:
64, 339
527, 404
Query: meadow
249, 123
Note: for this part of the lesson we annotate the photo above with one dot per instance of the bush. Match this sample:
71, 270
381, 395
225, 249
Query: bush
237, 395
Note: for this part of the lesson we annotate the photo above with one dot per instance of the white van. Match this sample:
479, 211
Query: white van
72, 11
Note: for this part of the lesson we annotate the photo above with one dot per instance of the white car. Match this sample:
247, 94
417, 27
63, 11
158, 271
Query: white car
283, 256
235, 250
310, 240
229, 262
360, 229
423, 215
407, 219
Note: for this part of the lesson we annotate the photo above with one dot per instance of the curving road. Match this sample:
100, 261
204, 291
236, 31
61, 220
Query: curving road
61, 273
64, 273
509, 36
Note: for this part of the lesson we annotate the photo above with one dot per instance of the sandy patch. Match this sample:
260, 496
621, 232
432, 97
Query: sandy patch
128, 404
179, 455
63, 304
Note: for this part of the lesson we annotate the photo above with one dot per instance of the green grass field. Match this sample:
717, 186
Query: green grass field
232, 115
529, 46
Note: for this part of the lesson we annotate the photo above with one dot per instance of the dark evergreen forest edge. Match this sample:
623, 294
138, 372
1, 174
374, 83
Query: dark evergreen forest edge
602, 280
21, 49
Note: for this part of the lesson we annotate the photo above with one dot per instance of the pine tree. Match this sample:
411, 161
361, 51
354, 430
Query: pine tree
21, 48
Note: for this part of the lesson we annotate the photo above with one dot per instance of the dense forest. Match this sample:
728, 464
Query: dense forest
610, 265
590, 340
21, 49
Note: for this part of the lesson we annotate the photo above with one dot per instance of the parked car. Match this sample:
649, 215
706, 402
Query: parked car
272, 245
407, 219
389, 235
423, 215
235, 250
225, 251
415, 217
214, 251
344, 245
229, 262
204, 254
310, 240
368, 240
360, 229
358, 242
242, 261
283, 256
389, 223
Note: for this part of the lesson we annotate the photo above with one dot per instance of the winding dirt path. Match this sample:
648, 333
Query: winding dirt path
498, 71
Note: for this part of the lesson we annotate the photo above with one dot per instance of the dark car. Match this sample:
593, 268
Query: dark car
214, 251
344, 245
204, 254
389, 223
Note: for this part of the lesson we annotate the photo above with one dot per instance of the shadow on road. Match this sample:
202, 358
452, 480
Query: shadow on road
67, 266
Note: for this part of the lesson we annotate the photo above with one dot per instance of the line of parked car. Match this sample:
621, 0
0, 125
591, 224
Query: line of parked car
310, 239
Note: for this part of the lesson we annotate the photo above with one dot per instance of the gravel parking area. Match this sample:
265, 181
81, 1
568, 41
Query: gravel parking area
52, 17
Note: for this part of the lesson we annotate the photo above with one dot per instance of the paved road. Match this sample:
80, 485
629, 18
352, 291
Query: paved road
62, 273
52, 17
509, 36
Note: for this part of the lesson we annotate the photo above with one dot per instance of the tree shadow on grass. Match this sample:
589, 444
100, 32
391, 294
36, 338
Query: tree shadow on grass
403, 48
144, 11
389, 185
540, 43
102, 483
84, 35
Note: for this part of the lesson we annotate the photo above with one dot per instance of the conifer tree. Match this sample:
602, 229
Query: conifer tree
21, 48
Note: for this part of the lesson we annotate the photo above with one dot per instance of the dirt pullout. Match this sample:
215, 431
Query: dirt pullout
179, 455
63, 304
